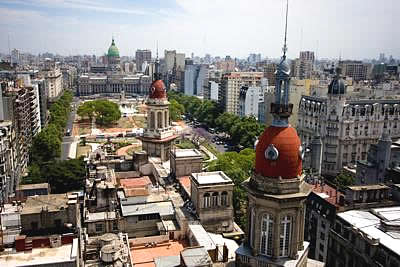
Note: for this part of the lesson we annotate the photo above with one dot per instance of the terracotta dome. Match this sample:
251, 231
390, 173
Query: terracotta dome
279, 153
157, 90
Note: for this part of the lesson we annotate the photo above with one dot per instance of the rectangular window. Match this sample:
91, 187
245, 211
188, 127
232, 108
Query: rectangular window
99, 227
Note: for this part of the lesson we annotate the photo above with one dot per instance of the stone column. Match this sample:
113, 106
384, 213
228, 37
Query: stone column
276, 235
296, 228
155, 120
301, 237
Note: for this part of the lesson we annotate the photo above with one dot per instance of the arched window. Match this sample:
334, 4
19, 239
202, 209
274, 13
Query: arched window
224, 198
285, 236
165, 119
152, 120
206, 200
159, 120
214, 199
267, 228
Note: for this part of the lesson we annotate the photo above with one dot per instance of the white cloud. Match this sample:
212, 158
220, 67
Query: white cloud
359, 29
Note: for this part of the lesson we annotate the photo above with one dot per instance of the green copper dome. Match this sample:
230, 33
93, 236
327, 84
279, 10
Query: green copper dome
113, 50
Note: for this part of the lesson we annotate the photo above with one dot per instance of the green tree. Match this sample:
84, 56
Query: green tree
176, 110
105, 111
239, 167
343, 180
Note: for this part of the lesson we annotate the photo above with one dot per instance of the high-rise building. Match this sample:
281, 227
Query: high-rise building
356, 69
172, 58
195, 79
43, 95
230, 88
142, 56
15, 56
269, 73
211, 91
54, 79
250, 99
303, 66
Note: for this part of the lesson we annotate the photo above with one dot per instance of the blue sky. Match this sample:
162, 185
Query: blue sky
353, 28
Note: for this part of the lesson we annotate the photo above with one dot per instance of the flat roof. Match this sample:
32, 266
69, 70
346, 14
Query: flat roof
183, 153
368, 223
54, 202
164, 208
368, 187
135, 182
196, 256
40, 256
33, 186
204, 178
202, 237
149, 256
100, 216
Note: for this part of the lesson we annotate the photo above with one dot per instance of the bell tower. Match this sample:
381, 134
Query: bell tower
158, 135
277, 190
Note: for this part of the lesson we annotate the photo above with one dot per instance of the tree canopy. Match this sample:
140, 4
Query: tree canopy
242, 131
239, 167
63, 176
176, 110
104, 111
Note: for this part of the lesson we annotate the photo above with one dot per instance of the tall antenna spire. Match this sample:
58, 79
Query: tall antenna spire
157, 49
284, 43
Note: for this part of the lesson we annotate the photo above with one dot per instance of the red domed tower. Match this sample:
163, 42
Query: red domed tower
277, 190
158, 135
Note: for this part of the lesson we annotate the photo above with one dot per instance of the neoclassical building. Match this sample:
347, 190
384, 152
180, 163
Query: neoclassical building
347, 127
276, 191
113, 84
159, 135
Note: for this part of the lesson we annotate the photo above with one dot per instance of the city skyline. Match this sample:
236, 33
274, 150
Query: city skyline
331, 29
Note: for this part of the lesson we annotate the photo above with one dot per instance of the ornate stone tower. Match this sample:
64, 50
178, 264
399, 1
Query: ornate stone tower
277, 190
158, 135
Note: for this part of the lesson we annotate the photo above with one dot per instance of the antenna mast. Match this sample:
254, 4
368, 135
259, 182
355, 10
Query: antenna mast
284, 43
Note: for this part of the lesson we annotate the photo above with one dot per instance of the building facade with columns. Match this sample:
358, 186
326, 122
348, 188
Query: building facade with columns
113, 84
347, 127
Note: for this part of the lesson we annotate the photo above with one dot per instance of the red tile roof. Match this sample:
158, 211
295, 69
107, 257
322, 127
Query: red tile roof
185, 182
330, 193
135, 182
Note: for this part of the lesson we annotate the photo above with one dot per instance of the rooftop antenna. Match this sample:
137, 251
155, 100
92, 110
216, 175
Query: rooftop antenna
284, 43
9, 51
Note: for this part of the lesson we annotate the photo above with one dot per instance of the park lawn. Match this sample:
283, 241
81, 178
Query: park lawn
83, 150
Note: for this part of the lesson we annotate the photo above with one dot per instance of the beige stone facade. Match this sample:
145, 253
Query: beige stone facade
211, 193
158, 135
184, 162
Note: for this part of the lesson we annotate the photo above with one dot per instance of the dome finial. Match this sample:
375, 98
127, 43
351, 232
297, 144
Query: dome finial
281, 108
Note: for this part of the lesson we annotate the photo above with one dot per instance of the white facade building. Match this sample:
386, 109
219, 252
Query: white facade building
195, 79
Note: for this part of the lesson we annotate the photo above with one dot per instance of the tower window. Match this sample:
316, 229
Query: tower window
285, 236
224, 198
267, 225
206, 199
214, 199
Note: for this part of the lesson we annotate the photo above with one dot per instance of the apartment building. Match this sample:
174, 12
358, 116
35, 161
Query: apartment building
142, 56
356, 69
347, 127
230, 88
54, 79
